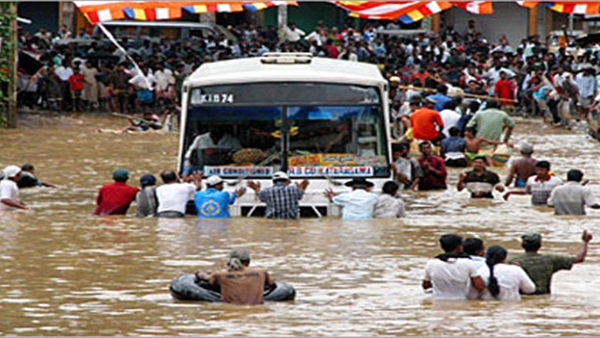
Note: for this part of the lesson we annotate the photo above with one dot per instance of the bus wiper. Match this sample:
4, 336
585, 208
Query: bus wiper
332, 180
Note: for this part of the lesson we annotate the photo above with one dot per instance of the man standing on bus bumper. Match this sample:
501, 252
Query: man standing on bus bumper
282, 198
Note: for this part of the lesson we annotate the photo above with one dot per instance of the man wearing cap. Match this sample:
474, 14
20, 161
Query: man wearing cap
173, 196
9, 191
115, 198
357, 204
572, 197
281, 199
427, 122
29, 180
522, 168
240, 284
451, 275
213, 202
146, 198
540, 185
539, 267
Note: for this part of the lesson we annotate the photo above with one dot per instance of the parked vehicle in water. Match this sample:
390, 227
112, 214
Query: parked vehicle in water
316, 118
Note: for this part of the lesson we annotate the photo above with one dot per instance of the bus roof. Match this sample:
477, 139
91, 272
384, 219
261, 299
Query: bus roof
308, 69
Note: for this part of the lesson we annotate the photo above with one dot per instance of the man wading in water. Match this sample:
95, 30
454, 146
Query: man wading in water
240, 284
451, 275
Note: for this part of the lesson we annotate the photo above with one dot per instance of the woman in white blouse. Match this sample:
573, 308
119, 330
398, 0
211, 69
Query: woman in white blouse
503, 281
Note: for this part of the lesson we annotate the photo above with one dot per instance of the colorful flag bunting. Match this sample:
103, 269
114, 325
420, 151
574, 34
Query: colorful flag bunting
98, 11
422, 12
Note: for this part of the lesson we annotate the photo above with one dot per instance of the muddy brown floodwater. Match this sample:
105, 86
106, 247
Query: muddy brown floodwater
65, 272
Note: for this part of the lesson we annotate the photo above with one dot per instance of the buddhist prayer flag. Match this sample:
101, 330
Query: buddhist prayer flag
424, 11
566, 7
98, 11
475, 7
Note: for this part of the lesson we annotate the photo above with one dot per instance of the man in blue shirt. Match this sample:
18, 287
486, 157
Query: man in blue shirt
440, 98
213, 202
453, 149
357, 204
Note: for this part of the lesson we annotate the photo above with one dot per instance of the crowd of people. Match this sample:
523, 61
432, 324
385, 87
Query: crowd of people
466, 270
97, 75
450, 93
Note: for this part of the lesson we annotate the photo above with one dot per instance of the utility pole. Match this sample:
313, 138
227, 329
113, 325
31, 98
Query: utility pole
282, 20
11, 121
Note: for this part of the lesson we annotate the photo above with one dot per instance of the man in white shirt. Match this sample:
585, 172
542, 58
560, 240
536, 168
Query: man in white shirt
449, 117
218, 139
572, 197
357, 204
452, 274
293, 33
9, 191
173, 196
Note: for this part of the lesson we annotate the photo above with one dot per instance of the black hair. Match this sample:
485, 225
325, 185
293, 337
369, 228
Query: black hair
27, 166
451, 105
494, 255
471, 129
543, 164
491, 104
479, 158
472, 245
454, 131
399, 146
390, 188
424, 143
449, 242
442, 89
474, 106
574, 175
168, 176
530, 246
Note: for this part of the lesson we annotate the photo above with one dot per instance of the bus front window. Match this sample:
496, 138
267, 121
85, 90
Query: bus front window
233, 141
309, 129
337, 141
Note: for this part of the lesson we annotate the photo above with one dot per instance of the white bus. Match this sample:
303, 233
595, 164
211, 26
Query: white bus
316, 118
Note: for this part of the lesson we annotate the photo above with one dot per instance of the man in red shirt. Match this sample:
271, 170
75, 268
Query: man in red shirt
505, 90
115, 198
76, 82
426, 122
434, 169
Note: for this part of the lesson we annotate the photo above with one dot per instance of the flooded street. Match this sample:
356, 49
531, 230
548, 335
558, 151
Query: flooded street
68, 273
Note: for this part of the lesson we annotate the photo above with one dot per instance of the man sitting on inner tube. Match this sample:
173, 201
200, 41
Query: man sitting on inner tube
240, 284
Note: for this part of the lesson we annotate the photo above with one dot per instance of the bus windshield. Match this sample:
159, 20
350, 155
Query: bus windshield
233, 133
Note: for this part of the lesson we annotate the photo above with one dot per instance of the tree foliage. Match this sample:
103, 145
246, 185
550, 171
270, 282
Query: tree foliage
6, 17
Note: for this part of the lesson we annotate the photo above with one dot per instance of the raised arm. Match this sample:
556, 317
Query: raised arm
586, 237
